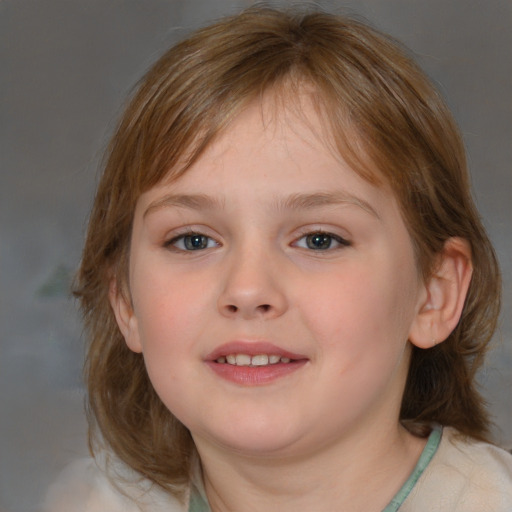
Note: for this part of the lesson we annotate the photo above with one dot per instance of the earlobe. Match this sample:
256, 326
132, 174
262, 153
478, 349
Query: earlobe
125, 317
446, 290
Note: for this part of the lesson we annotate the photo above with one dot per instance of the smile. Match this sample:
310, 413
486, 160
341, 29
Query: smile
254, 363
247, 360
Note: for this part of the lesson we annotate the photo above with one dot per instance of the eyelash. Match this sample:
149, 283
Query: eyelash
310, 235
173, 242
203, 241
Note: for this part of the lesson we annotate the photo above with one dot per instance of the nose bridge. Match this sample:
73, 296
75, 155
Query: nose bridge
252, 286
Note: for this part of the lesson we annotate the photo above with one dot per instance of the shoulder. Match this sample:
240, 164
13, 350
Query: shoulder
464, 476
85, 486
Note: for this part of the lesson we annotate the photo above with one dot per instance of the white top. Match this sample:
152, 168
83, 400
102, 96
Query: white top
452, 475
84, 486
463, 476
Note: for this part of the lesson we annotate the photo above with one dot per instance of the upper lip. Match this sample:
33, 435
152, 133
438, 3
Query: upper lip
252, 348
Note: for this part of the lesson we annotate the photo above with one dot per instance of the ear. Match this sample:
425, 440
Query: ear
125, 317
446, 291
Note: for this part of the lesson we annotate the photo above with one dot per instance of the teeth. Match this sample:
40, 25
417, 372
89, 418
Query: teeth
243, 360
261, 360
247, 360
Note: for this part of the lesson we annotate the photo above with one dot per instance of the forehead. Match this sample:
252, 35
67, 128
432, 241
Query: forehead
291, 116
283, 151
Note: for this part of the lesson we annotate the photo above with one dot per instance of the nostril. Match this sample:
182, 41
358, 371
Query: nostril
261, 309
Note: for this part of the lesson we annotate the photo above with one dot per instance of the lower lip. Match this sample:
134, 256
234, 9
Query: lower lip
255, 375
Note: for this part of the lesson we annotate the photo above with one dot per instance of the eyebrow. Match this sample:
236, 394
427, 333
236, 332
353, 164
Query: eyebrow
319, 199
292, 202
189, 201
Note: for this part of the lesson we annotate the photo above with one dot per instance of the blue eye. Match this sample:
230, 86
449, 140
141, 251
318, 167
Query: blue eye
321, 241
192, 242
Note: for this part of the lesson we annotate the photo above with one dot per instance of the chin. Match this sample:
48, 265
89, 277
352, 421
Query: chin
255, 439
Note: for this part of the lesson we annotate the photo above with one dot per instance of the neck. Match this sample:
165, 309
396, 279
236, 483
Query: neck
356, 475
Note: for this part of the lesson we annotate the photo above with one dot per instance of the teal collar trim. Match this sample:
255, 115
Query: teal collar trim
199, 503
428, 453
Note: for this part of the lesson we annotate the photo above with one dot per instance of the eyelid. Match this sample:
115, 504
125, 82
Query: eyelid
340, 240
180, 234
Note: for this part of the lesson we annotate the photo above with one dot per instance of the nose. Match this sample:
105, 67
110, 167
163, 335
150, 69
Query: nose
253, 287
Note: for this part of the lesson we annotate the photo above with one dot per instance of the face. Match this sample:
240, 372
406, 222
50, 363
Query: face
273, 291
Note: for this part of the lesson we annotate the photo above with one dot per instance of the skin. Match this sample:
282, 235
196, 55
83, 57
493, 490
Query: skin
255, 200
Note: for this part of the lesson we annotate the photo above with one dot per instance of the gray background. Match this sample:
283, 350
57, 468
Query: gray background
65, 68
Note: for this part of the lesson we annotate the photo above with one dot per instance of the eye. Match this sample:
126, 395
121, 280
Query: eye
321, 241
191, 242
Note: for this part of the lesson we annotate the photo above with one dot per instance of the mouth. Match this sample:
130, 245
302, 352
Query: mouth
254, 361
253, 364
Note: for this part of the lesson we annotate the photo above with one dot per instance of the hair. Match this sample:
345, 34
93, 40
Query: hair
388, 122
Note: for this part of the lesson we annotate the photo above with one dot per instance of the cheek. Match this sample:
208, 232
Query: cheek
361, 312
166, 301
166, 320
169, 327
173, 317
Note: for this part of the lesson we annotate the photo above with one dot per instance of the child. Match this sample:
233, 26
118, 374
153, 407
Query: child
287, 286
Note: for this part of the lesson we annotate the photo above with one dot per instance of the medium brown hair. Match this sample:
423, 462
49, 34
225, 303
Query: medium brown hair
367, 85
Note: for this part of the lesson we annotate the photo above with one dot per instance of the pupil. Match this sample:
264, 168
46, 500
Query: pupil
194, 242
319, 241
